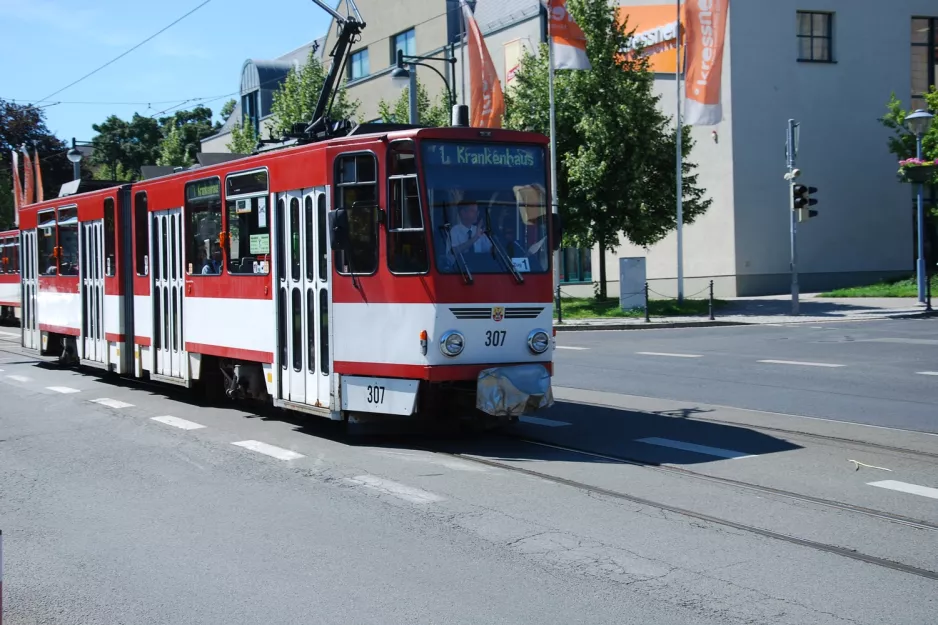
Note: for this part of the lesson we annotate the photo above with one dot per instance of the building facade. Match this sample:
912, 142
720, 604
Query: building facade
783, 60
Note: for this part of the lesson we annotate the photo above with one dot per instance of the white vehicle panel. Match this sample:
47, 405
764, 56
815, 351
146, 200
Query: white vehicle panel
59, 309
143, 315
9, 293
234, 323
113, 314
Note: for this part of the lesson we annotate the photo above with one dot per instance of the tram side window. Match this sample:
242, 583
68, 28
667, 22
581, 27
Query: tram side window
141, 233
6, 256
248, 223
68, 241
204, 227
47, 243
357, 193
110, 239
15, 255
407, 240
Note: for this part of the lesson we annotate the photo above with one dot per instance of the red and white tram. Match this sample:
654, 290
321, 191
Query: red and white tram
9, 275
395, 272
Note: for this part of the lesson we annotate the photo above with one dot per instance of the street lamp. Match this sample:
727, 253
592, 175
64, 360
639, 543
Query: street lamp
74, 155
918, 123
407, 76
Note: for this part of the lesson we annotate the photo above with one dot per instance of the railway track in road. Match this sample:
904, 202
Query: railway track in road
752, 529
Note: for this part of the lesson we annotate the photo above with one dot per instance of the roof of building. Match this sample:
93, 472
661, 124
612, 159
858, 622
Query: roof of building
496, 14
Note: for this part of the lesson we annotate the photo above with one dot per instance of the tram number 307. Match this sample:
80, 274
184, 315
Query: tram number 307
375, 394
495, 338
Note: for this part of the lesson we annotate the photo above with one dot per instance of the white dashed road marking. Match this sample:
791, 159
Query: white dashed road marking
903, 487
571, 347
669, 355
178, 423
19, 378
263, 448
9, 334
401, 491
803, 364
63, 389
112, 403
541, 421
700, 449
927, 372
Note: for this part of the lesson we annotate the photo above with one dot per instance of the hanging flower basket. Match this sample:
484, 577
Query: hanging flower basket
918, 171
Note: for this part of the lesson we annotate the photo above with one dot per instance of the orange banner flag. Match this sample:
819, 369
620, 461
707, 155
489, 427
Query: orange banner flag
18, 199
40, 194
28, 190
487, 102
705, 28
568, 38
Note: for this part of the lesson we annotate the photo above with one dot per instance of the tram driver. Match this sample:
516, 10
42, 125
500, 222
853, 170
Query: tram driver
468, 235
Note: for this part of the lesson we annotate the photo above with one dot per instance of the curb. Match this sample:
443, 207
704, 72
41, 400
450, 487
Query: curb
582, 327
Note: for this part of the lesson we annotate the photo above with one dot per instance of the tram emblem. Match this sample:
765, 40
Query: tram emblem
498, 313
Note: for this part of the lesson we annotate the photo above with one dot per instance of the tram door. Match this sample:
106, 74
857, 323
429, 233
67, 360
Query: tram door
167, 287
29, 295
303, 296
91, 268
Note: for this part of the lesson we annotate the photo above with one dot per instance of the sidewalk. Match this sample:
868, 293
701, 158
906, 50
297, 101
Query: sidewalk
769, 310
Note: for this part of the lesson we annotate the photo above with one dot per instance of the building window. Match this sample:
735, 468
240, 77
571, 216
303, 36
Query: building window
576, 265
204, 227
405, 42
924, 58
357, 192
250, 104
358, 65
815, 37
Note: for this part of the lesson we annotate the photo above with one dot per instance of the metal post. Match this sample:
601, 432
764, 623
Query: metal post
792, 217
559, 307
928, 307
680, 168
414, 113
554, 204
920, 269
76, 167
647, 306
710, 305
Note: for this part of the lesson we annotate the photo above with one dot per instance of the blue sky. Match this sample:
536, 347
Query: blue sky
49, 43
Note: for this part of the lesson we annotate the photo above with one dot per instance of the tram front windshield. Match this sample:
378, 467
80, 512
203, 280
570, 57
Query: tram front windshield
488, 206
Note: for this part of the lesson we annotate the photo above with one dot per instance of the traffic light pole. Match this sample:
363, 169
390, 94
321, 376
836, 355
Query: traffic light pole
792, 216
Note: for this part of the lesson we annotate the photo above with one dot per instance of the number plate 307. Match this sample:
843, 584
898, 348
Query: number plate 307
380, 395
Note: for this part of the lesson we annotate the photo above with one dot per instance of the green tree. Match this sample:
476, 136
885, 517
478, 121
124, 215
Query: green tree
173, 149
902, 142
192, 126
243, 139
123, 147
21, 124
433, 114
615, 147
227, 109
296, 98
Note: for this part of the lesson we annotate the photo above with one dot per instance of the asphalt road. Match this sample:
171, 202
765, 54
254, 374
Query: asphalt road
122, 503
882, 373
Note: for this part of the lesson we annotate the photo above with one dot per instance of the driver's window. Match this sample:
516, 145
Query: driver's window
356, 190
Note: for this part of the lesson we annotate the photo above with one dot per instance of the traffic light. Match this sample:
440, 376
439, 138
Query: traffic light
801, 199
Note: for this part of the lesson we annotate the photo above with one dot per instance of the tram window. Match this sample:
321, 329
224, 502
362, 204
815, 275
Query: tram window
407, 240
281, 255
67, 223
15, 256
297, 318
322, 238
204, 220
45, 232
248, 236
311, 329
140, 233
357, 193
310, 252
6, 249
110, 238
323, 332
295, 239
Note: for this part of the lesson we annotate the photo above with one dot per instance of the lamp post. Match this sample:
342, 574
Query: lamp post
75, 156
918, 123
408, 75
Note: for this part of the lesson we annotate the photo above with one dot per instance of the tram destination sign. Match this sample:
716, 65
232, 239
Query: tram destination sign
483, 156
203, 190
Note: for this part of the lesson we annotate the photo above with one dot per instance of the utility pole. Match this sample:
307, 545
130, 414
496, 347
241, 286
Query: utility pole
791, 176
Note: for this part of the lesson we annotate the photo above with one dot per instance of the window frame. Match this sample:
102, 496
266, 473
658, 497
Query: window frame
110, 241
351, 64
58, 238
336, 196
248, 196
388, 231
811, 37
141, 248
394, 47
931, 55
579, 265
55, 240
187, 221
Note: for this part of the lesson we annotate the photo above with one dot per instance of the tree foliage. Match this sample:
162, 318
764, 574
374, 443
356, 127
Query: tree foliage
902, 142
173, 149
296, 98
227, 109
191, 127
126, 146
433, 114
616, 149
21, 124
243, 139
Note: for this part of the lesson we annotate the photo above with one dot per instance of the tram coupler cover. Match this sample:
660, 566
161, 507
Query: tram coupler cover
514, 391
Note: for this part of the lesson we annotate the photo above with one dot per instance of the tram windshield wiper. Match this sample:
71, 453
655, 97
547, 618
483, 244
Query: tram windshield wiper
460, 259
497, 247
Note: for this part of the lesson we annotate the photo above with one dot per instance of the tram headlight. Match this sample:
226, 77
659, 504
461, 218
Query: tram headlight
538, 341
452, 343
